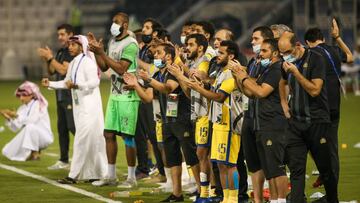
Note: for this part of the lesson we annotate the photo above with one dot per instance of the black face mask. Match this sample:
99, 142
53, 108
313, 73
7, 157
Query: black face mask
146, 38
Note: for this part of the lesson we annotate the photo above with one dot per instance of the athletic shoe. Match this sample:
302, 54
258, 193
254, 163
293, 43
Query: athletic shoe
59, 165
128, 184
173, 198
202, 200
105, 182
141, 175
156, 179
154, 171
165, 187
66, 180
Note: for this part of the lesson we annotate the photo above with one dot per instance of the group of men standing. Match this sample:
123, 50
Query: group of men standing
211, 108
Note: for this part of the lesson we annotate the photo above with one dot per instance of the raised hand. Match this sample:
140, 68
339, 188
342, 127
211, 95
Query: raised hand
45, 53
130, 79
289, 67
335, 29
45, 82
143, 75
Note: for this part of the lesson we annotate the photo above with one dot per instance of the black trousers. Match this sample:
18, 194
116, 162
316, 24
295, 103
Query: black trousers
241, 167
334, 145
145, 129
303, 137
64, 125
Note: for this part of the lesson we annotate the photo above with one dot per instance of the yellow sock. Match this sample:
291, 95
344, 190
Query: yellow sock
204, 191
233, 196
212, 192
226, 195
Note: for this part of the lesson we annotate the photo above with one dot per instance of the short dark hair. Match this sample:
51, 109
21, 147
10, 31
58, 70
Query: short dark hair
313, 34
68, 28
231, 48
199, 39
163, 34
265, 31
188, 23
124, 16
169, 49
155, 25
273, 44
207, 27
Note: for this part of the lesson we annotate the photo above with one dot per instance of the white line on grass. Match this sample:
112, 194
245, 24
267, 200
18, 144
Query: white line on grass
51, 154
52, 182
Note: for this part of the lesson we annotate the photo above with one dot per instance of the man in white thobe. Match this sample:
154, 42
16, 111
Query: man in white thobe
33, 123
89, 155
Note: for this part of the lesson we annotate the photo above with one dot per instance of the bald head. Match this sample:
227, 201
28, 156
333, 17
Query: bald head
287, 41
222, 35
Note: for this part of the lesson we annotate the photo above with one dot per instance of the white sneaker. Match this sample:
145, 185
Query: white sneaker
105, 182
128, 184
166, 187
59, 165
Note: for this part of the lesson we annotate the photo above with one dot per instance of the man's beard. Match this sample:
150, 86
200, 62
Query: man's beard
222, 63
192, 55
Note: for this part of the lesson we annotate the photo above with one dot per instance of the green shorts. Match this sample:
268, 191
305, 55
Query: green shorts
121, 116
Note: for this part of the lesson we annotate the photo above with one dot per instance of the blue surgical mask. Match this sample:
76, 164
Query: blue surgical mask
289, 58
159, 63
115, 29
256, 49
265, 62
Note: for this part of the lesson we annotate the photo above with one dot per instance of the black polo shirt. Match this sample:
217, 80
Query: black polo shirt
303, 107
184, 104
62, 55
269, 114
333, 56
254, 70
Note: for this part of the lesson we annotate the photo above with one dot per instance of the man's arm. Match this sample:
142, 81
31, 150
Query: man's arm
312, 87
55, 66
336, 35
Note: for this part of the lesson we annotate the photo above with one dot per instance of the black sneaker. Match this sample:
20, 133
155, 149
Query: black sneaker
66, 180
173, 198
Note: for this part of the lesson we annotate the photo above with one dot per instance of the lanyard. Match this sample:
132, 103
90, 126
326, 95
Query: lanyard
252, 67
30, 107
331, 60
342, 88
77, 68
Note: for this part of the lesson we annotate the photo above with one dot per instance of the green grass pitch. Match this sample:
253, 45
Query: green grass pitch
19, 188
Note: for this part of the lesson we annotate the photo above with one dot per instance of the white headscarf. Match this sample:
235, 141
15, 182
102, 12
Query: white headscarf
28, 88
83, 41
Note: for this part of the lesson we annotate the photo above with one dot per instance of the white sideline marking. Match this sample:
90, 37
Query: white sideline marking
51, 154
52, 182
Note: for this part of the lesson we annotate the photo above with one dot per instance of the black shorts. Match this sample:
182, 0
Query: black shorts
271, 149
248, 141
179, 136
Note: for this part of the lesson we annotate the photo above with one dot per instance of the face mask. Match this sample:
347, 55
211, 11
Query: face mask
182, 39
289, 58
146, 38
116, 29
256, 49
265, 62
159, 63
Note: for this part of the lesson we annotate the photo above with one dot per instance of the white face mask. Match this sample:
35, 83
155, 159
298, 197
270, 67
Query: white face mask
182, 39
256, 49
115, 29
